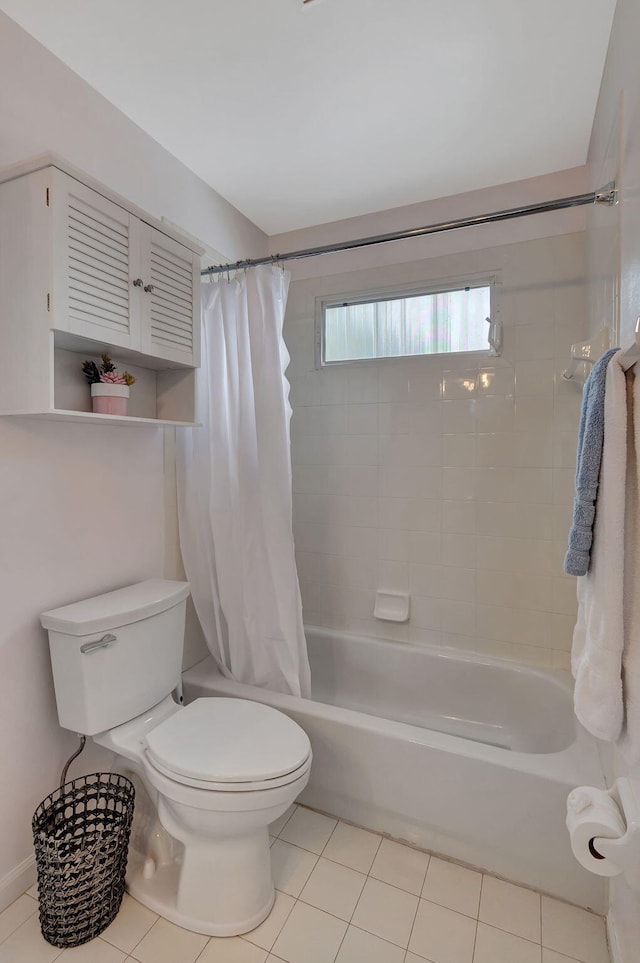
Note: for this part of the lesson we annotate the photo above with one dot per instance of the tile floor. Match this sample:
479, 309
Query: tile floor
345, 895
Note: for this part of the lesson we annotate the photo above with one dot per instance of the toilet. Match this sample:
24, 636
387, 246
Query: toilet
210, 776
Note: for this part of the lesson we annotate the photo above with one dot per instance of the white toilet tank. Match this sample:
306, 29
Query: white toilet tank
116, 655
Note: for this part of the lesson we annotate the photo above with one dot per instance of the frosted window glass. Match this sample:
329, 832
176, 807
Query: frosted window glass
416, 324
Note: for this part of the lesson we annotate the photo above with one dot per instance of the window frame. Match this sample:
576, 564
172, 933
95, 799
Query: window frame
397, 291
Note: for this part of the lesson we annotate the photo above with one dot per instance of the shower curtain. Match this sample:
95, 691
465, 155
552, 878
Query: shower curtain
234, 487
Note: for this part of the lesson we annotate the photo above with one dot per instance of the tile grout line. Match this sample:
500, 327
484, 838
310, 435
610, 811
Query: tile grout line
475, 936
415, 916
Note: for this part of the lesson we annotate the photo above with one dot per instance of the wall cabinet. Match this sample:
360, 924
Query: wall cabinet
83, 272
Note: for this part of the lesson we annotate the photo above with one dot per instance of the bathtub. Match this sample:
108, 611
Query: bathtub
459, 754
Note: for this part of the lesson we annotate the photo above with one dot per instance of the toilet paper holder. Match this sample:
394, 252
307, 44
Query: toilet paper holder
623, 853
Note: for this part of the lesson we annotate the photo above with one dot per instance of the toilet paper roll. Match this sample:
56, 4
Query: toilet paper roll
592, 813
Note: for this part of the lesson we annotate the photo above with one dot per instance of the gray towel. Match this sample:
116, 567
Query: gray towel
588, 458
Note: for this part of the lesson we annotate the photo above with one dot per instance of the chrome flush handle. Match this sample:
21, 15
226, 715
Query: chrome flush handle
102, 643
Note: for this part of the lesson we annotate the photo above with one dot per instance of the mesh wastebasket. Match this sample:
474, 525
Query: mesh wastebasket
81, 837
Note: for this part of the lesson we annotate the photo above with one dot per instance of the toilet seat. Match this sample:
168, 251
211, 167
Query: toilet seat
229, 745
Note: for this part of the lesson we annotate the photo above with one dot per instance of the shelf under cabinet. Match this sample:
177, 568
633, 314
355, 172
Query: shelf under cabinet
89, 418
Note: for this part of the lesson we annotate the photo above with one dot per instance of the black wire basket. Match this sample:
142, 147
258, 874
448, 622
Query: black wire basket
81, 837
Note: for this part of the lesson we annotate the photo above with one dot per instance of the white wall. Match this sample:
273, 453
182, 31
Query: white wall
448, 477
614, 281
82, 506
45, 106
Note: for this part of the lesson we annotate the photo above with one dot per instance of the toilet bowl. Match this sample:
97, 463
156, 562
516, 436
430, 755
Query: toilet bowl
210, 776
217, 805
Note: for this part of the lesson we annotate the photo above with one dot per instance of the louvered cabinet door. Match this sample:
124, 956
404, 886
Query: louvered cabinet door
96, 260
170, 299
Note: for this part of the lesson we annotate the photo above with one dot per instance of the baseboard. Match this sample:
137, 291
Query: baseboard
614, 945
19, 879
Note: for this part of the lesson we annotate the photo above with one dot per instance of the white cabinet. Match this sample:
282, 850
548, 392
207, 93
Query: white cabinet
120, 279
170, 298
83, 272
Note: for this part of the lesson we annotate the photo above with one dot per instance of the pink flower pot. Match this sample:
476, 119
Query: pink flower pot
108, 399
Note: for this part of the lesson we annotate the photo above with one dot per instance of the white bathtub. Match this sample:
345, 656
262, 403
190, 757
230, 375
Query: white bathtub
459, 754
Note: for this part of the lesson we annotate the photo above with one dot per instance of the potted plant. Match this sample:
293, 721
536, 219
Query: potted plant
109, 390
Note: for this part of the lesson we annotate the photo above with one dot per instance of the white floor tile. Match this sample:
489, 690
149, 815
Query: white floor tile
361, 947
352, 847
276, 827
167, 943
231, 950
15, 915
309, 830
266, 934
96, 951
550, 956
309, 936
333, 888
130, 925
400, 866
453, 886
26, 945
291, 867
33, 891
511, 908
442, 936
386, 911
573, 931
496, 946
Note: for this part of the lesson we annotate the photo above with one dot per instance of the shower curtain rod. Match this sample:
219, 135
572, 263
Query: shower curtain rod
605, 196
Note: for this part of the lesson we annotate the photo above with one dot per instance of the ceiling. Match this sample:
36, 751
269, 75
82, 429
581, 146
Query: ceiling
301, 114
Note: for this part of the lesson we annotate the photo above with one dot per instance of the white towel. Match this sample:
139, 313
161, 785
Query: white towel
630, 741
598, 638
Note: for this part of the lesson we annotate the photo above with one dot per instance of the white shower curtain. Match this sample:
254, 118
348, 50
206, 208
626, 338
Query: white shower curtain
234, 487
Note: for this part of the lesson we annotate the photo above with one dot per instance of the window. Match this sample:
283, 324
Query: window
402, 324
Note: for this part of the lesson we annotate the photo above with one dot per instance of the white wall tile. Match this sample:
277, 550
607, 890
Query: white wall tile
496, 413
393, 383
459, 483
393, 576
458, 583
362, 419
496, 449
534, 376
458, 517
362, 385
426, 580
426, 613
534, 341
425, 548
494, 380
459, 384
459, 416
352, 479
458, 550
534, 449
458, 617
399, 465
398, 481
459, 450
393, 544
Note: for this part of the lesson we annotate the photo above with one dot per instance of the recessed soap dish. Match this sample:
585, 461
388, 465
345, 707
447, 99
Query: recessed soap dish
392, 606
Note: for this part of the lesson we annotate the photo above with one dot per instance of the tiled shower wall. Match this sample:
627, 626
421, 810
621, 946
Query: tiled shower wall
448, 477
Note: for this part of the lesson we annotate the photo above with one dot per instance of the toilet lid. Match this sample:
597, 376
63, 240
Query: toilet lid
228, 741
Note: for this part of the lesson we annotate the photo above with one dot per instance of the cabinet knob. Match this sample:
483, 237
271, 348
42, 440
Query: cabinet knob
138, 283
149, 288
